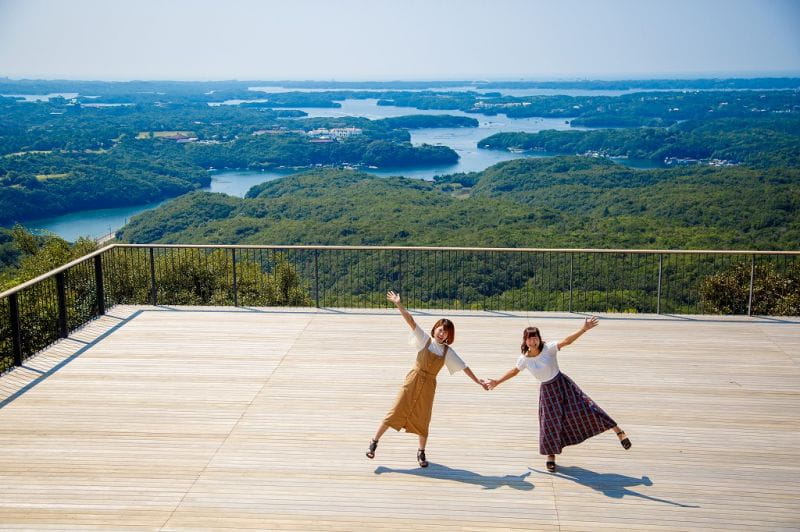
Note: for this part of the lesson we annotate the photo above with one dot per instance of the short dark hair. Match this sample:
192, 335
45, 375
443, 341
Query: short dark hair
527, 333
449, 328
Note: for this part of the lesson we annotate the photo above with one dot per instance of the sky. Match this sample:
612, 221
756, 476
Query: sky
397, 39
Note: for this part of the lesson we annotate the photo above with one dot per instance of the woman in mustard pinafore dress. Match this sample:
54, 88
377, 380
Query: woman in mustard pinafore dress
413, 406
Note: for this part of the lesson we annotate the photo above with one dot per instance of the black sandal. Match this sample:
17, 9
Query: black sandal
625, 442
421, 458
372, 446
551, 466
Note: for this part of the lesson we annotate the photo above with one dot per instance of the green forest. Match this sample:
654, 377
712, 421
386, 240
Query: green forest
552, 202
560, 202
66, 155
57, 157
758, 142
627, 110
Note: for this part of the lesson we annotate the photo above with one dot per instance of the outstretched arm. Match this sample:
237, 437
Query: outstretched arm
394, 297
589, 323
478, 381
511, 373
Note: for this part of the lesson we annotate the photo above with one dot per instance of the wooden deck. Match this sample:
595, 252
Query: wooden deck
168, 419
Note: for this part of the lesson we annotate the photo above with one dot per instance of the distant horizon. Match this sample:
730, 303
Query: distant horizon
449, 79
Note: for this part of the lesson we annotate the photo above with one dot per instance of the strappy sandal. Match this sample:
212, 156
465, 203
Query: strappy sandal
625, 442
371, 451
421, 458
551, 466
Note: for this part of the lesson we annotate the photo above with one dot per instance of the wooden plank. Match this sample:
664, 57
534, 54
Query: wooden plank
190, 418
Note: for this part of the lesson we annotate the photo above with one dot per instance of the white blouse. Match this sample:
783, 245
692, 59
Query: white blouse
451, 360
544, 366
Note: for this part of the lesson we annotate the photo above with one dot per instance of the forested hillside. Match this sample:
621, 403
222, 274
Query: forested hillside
556, 202
58, 157
760, 142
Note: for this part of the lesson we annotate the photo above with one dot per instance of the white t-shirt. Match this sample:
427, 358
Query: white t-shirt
544, 366
451, 360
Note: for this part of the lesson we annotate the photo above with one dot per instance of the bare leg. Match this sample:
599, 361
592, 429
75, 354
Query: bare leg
421, 459
623, 438
374, 443
551, 462
380, 432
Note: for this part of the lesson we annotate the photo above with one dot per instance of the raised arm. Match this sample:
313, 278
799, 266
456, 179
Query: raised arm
589, 323
510, 373
394, 297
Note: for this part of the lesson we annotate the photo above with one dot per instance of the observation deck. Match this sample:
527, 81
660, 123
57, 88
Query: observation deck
175, 417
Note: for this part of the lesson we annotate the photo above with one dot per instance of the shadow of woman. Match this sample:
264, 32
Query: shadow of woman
609, 484
443, 472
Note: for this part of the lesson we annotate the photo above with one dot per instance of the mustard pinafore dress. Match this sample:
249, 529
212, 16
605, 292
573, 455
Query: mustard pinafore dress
414, 404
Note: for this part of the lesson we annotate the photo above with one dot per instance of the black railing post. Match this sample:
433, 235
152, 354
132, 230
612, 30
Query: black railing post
98, 280
235, 285
399, 271
153, 289
316, 277
16, 336
752, 277
658, 297
484, 288
571, 260
61, 297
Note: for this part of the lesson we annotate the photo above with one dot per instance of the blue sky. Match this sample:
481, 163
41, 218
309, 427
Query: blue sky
387, 39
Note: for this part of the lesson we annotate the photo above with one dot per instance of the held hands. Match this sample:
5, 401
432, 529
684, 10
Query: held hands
487, 384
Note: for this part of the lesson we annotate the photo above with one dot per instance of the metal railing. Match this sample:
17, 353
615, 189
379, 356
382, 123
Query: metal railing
39, 312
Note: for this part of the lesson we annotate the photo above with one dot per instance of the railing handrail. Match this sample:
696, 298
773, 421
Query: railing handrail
102, 250
56, 271
451, 248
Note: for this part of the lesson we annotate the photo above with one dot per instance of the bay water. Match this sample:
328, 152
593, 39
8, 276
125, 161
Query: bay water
99, 222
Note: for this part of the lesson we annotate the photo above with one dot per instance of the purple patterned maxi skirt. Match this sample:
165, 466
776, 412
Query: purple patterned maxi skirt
567, 416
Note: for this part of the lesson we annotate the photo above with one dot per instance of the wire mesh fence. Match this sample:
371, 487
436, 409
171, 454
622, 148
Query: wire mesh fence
39, 312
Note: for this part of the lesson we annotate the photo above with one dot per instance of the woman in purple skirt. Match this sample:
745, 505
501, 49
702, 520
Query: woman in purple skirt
567, 416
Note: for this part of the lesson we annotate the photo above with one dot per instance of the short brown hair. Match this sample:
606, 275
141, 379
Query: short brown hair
527, 333
449, 328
